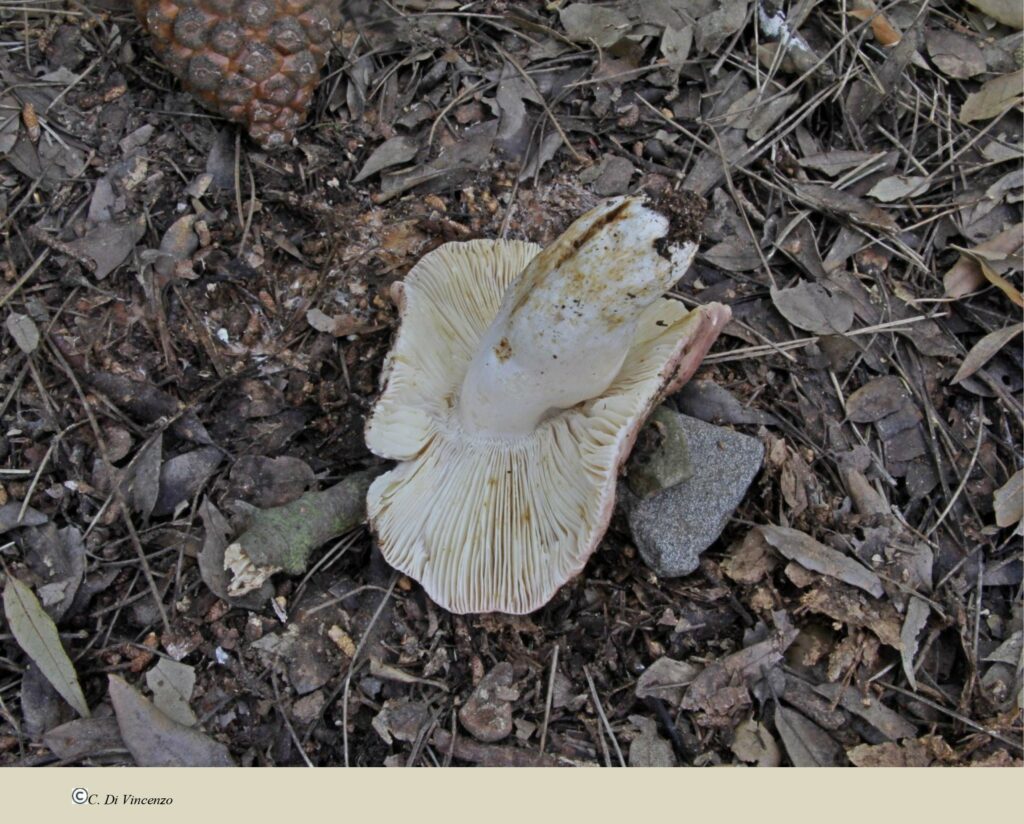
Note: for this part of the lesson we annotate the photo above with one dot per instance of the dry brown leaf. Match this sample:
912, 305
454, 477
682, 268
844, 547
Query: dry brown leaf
898, 187
813, 308
995, 97
339, 325
721, 688
844, 604
392, 152
666, 679
178, 244
807, 744
1001, 283
956, 55
869, 707
585, 23
749, 561
844, 204
921, 752
649, 749
109, 244
154, 740
965, 275
876, 399
836, 162
916, 618
733, 254
83, 737
171, 683
810, 554
754, 744
883, 30
36, 634
1008, 501
676, 45
24, 332
985, 349
1008, 12
144, 477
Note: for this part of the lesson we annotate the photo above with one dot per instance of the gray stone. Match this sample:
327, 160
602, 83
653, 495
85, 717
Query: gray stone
672, 528
660, 458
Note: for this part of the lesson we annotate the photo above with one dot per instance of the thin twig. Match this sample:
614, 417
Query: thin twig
550, 698
604, 718
354, 662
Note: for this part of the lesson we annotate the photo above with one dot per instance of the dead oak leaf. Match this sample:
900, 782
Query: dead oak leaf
846, 605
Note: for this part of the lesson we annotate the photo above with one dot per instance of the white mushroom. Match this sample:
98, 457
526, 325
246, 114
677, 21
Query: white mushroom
513, 393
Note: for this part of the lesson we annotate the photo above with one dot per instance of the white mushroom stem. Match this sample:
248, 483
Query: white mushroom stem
567, 323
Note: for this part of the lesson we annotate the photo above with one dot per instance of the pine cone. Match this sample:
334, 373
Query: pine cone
256, 62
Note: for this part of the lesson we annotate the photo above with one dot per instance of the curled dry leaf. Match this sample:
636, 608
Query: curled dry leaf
1001, 283
11, 517
915, 620
144, 477
713, 403
338, 325
994, 98
883, 30
985, 349
1001, 251
487, 713
721, 687
733, 255
723, 21
267, 482
392, 152
183, 476
1008, 501
676, 45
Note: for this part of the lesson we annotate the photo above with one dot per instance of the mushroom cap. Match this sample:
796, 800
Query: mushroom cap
491, 523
